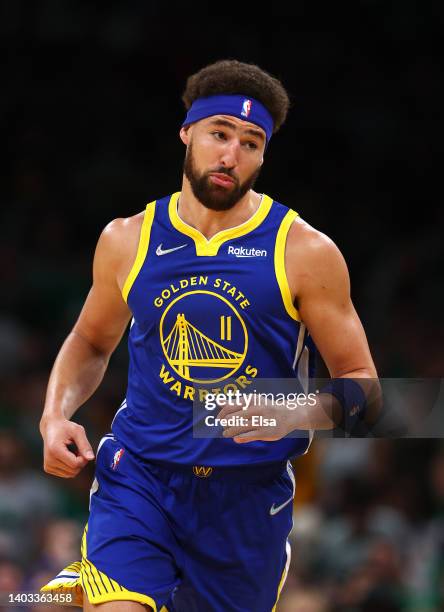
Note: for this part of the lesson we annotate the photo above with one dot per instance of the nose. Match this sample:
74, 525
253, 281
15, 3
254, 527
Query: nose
230, 154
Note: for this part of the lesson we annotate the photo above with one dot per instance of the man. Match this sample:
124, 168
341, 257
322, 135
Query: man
221, 283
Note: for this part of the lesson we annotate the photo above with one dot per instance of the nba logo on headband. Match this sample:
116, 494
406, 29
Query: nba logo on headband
237, 105
246, 108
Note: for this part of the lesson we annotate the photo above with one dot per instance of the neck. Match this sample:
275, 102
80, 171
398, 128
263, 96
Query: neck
209, 222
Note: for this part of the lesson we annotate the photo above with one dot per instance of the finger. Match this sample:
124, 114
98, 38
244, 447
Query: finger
83, 446
257, 435
55, 464
61, 472
230, 432
67, 458
248, 436
75, 467
230, 411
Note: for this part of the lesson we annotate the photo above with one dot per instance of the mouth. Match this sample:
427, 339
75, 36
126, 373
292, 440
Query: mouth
221, 179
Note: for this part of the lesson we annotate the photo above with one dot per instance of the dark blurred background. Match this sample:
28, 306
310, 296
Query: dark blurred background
90, 113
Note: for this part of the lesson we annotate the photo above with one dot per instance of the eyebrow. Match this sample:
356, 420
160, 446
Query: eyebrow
225, 123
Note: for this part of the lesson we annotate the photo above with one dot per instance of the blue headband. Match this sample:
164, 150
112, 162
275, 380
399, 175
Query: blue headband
236, 105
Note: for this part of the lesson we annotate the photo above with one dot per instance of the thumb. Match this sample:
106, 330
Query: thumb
83, 446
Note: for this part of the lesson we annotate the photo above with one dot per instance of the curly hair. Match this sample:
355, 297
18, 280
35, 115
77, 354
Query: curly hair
233, 77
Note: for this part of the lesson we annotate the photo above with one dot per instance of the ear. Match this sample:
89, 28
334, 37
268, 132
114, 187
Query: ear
185, 134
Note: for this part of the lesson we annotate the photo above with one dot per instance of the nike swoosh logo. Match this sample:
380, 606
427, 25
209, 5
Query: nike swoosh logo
160, 251
275, 509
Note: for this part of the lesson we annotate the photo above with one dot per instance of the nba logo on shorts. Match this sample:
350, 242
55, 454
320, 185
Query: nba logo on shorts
246, 108
117, 457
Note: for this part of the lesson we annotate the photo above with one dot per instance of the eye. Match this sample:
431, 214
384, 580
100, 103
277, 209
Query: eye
251, 145
219, 135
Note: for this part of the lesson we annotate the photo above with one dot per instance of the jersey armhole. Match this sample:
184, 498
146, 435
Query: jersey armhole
142, 249
279, 264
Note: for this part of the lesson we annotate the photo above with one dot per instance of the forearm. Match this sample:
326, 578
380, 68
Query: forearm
328, 411
324, 414
77, 372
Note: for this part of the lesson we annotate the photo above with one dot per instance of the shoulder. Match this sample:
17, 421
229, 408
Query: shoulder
117, 245
303, 236
119, 233
312, 257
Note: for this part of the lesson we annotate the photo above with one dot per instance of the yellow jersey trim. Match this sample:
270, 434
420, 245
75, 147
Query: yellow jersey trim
142, 249
78, 595
96, 585
211, 247
284, 575
279, 264
99, 588
280, 587
124, 596
66, 588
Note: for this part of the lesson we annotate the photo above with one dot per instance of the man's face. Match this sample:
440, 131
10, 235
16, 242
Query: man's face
223, 159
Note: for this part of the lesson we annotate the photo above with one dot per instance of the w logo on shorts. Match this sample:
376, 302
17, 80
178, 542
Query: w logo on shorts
117, 457
201, 471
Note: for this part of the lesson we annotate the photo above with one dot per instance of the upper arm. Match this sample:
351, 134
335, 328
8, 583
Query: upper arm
319, 279
105, 315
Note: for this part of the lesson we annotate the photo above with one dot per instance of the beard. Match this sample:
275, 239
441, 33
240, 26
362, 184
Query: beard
212, 196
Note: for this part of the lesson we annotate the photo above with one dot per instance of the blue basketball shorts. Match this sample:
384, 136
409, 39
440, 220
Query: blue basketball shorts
183, 538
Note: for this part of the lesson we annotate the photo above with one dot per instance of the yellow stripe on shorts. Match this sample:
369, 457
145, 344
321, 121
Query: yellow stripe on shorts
98, 587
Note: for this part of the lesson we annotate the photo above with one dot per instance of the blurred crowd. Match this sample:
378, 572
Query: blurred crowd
90, 113
369, 535
368, 532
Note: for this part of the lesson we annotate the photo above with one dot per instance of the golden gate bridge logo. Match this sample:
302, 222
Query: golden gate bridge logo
186, 347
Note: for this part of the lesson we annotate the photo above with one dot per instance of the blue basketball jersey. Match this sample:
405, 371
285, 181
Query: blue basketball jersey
211, 314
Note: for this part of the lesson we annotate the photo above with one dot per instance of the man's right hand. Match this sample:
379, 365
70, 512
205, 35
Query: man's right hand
59, 460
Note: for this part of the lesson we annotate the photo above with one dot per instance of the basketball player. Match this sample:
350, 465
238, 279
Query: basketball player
219, 282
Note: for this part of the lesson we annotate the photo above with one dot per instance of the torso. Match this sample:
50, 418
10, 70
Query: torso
216, 310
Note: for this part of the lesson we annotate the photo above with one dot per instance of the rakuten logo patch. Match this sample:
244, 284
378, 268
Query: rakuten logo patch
243, 252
